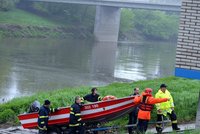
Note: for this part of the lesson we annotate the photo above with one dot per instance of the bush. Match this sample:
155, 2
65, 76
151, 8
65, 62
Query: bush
7, 115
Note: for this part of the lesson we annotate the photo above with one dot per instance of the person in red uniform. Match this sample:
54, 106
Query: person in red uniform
146, 102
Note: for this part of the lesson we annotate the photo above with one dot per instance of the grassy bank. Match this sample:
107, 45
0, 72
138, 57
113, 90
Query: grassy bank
19, 23
185, 92
20, 17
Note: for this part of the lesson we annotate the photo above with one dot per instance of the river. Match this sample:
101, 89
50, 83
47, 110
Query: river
31, 65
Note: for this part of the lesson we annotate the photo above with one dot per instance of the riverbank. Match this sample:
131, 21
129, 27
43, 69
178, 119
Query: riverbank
18, 23
184, 91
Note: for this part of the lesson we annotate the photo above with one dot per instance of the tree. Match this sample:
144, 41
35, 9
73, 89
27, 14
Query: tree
156, 24
127, 20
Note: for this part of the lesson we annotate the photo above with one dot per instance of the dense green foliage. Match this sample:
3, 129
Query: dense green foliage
127, 20
73, 15
156, 24
150, 24
184, 91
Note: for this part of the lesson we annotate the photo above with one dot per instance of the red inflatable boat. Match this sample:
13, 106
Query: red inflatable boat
95, 112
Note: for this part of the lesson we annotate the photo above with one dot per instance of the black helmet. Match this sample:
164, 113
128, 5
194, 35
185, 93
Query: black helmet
163, 85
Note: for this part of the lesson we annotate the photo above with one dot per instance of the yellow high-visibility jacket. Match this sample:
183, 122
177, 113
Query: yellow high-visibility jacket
164, 106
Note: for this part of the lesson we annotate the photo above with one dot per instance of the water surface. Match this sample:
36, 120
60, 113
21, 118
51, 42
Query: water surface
32, 65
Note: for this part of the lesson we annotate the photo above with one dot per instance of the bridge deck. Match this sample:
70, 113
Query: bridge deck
123, 4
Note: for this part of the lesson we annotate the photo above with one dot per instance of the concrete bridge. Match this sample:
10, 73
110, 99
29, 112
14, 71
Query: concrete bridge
107, 20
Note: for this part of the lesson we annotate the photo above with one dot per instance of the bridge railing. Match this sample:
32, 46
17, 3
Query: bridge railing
167, 2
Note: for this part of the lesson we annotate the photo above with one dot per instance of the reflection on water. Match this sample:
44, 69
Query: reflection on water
29, 65
13, 88
103, 61
145, 60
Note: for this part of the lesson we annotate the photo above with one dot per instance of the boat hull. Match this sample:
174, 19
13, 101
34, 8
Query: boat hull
96, 112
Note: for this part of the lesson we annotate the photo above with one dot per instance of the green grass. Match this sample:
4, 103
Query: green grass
192, 132
20, 17
184, 91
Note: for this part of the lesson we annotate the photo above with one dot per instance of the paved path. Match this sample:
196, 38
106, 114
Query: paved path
169, 128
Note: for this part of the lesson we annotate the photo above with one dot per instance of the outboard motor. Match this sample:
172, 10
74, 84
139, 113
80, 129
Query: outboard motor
35, 107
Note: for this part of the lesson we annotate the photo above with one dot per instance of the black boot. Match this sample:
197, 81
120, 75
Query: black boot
159, 130
175, 127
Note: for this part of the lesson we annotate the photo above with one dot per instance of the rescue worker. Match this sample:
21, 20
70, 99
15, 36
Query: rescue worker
43, 116
75, 122
35, 106
146, 102
93, 97
165, 108
134, 113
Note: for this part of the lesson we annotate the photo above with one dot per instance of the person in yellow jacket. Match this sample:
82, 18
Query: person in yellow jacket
165, 108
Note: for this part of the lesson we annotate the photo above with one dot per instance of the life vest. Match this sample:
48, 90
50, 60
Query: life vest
144, 106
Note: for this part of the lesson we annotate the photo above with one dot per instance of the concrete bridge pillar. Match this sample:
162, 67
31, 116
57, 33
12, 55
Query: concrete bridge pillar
188, 48
107, 23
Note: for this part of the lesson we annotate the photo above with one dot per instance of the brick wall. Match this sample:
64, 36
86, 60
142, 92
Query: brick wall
188, 48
